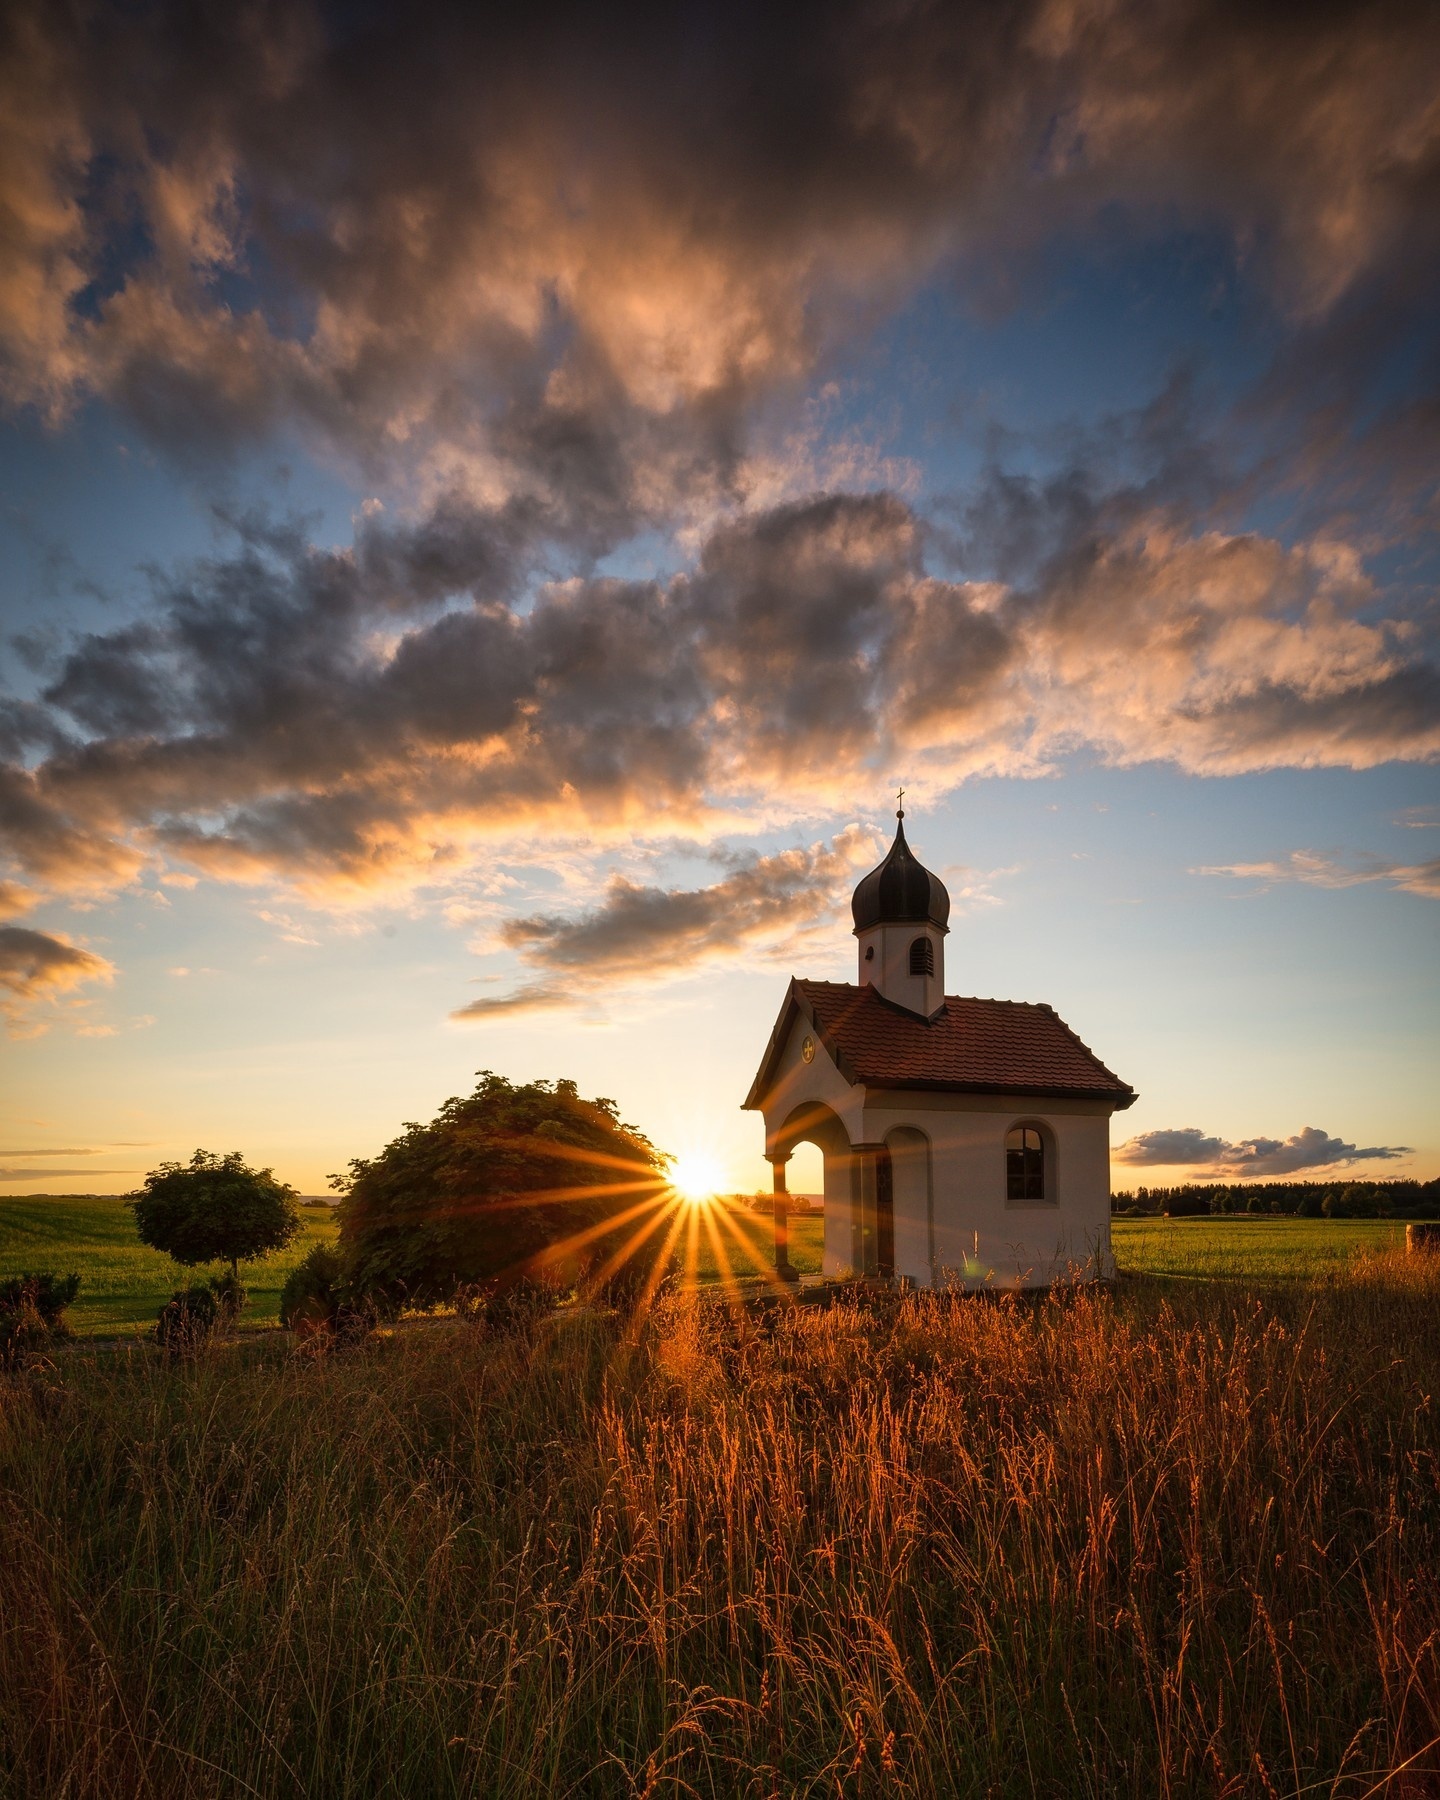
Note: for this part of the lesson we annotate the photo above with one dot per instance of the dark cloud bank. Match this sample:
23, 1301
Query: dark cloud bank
358, 716
762, 902
1189, 1147
549, 276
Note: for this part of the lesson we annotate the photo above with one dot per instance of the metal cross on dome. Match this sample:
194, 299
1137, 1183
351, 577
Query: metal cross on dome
900, 811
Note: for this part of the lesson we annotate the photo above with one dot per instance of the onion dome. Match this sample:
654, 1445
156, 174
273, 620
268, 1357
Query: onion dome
901, 891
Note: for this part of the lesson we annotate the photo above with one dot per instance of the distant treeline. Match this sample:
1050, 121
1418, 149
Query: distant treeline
1303, 1199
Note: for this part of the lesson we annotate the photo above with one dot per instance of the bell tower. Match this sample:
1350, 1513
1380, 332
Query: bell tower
901, 913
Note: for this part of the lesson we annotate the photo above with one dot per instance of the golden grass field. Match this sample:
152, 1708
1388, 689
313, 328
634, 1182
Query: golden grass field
1178, 1537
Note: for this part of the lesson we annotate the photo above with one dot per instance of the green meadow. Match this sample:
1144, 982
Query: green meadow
124, 1285
1244, 1248
1230, 1247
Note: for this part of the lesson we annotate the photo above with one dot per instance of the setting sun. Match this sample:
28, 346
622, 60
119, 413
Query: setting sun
696, 1176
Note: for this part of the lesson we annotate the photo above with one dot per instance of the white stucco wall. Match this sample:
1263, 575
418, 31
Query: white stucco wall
981, 1238
953, 1223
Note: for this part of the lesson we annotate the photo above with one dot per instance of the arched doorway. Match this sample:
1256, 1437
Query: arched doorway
813, 1123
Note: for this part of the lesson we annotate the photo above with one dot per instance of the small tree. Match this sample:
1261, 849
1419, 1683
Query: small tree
215, 1209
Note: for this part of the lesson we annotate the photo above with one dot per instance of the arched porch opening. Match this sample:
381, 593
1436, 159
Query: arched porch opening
814, 1123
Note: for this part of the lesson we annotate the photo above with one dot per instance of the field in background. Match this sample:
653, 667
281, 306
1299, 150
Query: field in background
748, 1242
1226, 1248
1237, 1248
122, 1284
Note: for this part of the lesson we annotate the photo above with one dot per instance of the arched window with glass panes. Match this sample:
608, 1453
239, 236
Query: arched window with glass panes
1025, 1171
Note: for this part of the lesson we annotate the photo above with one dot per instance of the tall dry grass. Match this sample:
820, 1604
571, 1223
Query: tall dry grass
1105, 1544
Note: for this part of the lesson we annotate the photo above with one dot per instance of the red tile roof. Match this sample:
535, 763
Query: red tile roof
971, 1047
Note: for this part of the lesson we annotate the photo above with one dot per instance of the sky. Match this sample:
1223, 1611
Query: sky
492, 509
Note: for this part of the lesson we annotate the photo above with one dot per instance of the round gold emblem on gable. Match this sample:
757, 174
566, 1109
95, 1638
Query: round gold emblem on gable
807, 1048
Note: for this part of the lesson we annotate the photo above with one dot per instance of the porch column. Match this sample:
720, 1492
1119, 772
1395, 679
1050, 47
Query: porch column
783, 1269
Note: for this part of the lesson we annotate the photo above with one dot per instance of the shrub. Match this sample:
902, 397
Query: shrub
313, 1287
49, 1294
318, 1298
192, 1315
231, 1298
187, 1319
31, 1314
515, 1308
507, 1183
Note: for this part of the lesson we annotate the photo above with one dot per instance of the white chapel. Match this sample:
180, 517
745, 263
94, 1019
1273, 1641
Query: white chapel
966, 1142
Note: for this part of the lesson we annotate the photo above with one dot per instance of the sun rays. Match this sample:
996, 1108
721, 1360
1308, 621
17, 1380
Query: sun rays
675, 1228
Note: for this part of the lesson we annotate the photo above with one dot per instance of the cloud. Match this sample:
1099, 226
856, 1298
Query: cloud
1177, 1146
642, 933
354, 719
36, 967
537, 242
554, 280
34, 963
1190, 1147
49, 1152
14, 900
8, 1174
533, 996
103, 1150
1318, 870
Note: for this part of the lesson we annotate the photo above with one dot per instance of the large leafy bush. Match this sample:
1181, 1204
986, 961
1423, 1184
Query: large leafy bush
510, 1182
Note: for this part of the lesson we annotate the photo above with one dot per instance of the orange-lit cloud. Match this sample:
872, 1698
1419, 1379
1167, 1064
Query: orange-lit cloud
36, 966
257, 728
761, 908
1318, 870
544, 277
439, 197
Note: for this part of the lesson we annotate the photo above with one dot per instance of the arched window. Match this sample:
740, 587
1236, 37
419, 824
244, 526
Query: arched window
922, 957
1024, 1163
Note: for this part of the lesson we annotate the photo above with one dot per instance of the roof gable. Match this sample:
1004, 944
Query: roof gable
970, 1046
